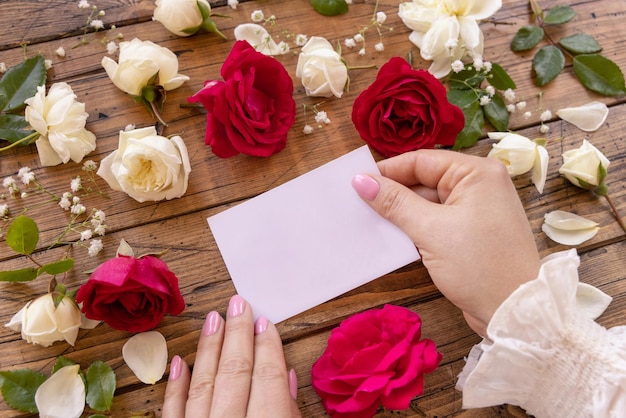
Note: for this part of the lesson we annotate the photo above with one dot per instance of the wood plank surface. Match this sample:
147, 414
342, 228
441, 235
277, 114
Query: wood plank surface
216, 184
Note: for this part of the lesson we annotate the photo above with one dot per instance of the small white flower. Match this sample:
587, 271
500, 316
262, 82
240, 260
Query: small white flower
527, 115
233, 4
4, 209
487, 66
509, 95
491, 90
283, 47
95, 246
301, 39
60, 51
65, 203
521, 105
544, 129
8, 182
359, 38
100, 229
257, 16
129, 127
90, 165
451, 44
545, 115
86, 234
101, 13
83, 4
3, 67
349, 43
99, 215
26, 175
97, 24
510, 108
67, 195
457, 66
78, 209
75, 199
24, 195
478, 62
75, 184
112, 48
381, 17
307, 130
321, 116
48, 64
485, 100
379, 47
362, 51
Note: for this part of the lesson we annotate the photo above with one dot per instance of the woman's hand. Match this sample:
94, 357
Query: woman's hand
467, 221
239, 371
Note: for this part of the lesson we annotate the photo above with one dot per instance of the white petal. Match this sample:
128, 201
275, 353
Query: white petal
567, 228
146, 355
540, 169
62, 395
568, 221
588, 117
258, 37
591, 301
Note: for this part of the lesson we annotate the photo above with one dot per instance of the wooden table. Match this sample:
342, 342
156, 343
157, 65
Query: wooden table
31, 27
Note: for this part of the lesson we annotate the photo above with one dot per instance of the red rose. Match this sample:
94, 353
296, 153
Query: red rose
131, 294
374, 357
404, 110
252, 110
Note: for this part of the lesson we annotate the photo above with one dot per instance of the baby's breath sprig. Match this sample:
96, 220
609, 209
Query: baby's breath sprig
321, 117
94, 23
377, 22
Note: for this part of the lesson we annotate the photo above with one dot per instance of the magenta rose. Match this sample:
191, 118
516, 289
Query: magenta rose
374, 358
404, 110
251, 111
131, 294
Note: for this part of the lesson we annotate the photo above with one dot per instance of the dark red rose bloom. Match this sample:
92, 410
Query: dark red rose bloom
131, 294
374, 357
251, 111
404, 110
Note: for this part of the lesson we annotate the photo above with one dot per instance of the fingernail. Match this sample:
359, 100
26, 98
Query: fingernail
211, 324
293, 384
365, 186
236, 306
260, 325
175, 367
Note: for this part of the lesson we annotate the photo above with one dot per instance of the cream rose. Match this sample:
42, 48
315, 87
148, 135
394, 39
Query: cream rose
40, 322
181, 17
321, 69
585, 166
147, 166
60, 120
139, 61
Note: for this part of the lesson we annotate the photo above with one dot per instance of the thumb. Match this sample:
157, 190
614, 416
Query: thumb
395, 202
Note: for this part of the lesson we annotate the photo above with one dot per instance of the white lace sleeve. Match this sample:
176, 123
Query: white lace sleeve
545, 353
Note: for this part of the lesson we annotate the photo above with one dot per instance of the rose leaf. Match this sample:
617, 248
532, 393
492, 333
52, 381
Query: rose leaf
527, 38
23, 235
330, 7
61, 362
496, 113
12, 127
100, 386
469, 78
56, 267
559, 15
580, 43
500, 79
599, 74
548, 63
473, 129
18, 388
20, 83
462, 98
21, 275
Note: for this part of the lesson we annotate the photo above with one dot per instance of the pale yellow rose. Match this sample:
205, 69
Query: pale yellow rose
321, 69
585, 166
181, 17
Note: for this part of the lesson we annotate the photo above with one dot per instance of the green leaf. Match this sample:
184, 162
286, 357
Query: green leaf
20, 83
100, 386
21, 275
474, 122
330, 7
56, 267
98, 416
581, 43
527, 38
559, 15
599, 74
12, 128
468, 78
23, 235
18, 388
548, 63
61, 362
462, 98
500, 79
496, 113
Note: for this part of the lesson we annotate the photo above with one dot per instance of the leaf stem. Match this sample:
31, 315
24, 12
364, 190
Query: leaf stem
619, 219
20, 141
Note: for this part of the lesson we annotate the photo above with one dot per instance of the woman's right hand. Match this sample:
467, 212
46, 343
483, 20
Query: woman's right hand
467, 221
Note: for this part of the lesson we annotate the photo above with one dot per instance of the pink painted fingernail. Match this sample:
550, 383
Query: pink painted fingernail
365, 186
260, 325
175, 367
293, 384
236, 306
211, 324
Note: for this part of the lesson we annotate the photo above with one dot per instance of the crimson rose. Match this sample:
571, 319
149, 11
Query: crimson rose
404, 110
252, 110
131, 294
374, 357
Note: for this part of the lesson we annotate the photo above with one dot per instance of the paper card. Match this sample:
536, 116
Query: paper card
308, 240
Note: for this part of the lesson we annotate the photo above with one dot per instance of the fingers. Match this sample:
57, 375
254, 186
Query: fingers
176, 389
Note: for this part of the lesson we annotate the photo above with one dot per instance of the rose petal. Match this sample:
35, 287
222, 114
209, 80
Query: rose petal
568, 228
62, 395
540, 169
591, 301
588, 117
146, 355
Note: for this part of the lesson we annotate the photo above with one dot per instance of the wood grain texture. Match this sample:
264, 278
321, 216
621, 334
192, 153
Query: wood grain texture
216, 184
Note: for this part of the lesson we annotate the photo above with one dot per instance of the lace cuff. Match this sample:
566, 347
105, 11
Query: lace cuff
545, 353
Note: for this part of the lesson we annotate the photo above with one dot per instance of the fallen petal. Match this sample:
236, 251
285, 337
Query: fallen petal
568, 228
591, 301
588, 117
540, 169
146, 355
62, 395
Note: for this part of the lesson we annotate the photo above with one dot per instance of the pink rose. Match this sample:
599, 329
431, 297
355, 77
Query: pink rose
374, 357
131, 294
252, 110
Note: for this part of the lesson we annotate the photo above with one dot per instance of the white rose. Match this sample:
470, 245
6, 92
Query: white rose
181, 17
139, 61
418, 15
40, 322
147, 166
321, 69
60, 120
585, 166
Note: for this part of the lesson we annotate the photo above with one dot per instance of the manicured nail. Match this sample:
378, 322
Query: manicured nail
260, 325
236, 306
365, 186
211, 323
293, 384
175, 367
